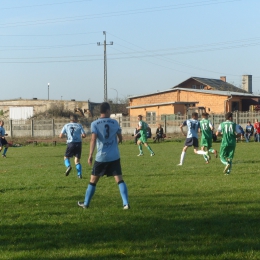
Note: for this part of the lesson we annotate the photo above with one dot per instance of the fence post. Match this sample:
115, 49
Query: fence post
236, 116
32, 127
165, 123
11, 127
53, 129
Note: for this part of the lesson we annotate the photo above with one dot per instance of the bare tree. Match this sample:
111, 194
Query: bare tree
119, 106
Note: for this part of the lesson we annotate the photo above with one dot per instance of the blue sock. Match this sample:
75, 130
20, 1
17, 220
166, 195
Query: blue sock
67, 162
123, 192
5, 150
89, 193
78, 168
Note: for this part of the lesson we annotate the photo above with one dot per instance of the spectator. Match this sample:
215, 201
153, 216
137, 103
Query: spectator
257, 130
148, 132
136, 134
159, 133
249, 131
242, 133
214, 137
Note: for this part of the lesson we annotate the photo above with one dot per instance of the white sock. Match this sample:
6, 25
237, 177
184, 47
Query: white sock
182, 157
201, 152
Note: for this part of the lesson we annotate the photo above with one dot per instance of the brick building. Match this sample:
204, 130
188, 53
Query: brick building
211, 95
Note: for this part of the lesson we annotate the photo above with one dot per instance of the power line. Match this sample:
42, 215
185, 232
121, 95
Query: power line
120, 13
147, 53
167, 59
49, 61
243, 43
32, 48
53, 57
46, 35
157, 52
40, 5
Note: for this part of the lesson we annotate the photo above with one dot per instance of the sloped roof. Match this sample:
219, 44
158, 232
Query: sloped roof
205, 91
216, 84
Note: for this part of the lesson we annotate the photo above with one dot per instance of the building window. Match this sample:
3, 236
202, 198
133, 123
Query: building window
150, 118
193, 86
201, 87
235, 106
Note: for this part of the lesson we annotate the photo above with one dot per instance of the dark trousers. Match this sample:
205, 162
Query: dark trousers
157, 138
136, 138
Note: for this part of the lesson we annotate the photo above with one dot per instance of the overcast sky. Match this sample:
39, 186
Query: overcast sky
157, 44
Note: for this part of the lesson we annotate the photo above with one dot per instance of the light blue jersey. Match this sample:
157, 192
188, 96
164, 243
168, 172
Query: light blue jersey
2, 131
192, 127
106, 130
73, 132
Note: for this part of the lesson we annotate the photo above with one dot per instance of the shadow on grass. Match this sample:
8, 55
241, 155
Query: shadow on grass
167, 236
246, 161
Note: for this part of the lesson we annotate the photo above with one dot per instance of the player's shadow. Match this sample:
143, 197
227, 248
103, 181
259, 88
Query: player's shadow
171, 229
245, 161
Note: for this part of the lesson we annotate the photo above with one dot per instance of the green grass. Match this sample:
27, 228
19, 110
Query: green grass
188, 212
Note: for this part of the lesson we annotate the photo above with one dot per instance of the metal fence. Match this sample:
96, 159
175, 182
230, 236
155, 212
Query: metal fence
171, 123
52, 127
38, 128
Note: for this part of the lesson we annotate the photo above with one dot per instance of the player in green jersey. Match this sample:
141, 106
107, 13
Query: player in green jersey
230, 131
142, 127
206, 129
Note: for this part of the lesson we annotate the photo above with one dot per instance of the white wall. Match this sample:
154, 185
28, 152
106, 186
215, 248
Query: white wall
18, 113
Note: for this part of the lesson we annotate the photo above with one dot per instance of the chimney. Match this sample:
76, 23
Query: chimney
247, 83
223, 78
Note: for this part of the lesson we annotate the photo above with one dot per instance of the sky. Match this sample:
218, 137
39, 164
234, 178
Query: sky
157, 44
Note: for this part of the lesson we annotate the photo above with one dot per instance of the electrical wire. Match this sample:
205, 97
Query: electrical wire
40, 5
47, 35
241, 43
120, 13
31, 48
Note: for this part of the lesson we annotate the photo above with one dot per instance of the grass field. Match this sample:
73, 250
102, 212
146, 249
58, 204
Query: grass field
188, 212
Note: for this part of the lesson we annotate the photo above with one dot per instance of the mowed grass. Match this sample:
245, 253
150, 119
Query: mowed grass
188, 212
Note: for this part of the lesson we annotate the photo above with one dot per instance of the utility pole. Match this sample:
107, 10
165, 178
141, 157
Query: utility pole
105, 64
